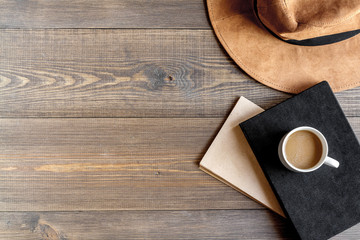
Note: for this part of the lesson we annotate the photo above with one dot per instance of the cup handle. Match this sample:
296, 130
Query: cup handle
331, 162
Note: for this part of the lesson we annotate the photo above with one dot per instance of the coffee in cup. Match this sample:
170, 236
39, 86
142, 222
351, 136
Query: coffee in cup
304, 149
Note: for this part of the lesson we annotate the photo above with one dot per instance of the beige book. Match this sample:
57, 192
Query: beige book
231, 160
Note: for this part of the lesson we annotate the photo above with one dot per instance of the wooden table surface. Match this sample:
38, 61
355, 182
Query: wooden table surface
106, 109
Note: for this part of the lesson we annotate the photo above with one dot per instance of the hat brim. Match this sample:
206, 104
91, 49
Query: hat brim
275, 63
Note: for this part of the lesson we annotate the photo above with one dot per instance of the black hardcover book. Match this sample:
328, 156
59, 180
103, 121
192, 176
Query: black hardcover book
325, 202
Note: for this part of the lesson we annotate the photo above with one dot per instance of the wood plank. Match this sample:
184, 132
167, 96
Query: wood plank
103, 14
63, 164
126, 73
221, 224
100, 164
237, 224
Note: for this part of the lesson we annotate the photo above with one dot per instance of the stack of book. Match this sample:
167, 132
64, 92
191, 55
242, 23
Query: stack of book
319, 204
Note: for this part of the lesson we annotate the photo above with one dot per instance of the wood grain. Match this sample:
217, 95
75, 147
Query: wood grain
104, 164
250, 224
126, 73
103, 14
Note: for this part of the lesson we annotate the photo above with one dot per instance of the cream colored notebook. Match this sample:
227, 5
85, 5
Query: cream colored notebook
231, 160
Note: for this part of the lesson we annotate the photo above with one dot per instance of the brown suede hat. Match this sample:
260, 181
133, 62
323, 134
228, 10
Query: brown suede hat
292, 45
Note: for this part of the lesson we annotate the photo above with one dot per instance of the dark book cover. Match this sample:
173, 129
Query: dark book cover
325, 202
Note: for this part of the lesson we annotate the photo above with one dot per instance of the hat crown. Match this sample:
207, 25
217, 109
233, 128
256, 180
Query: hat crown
305, 19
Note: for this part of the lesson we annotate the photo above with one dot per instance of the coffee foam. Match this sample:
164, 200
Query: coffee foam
303, 149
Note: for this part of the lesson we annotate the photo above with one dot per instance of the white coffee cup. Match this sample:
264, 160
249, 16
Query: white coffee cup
324, 159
